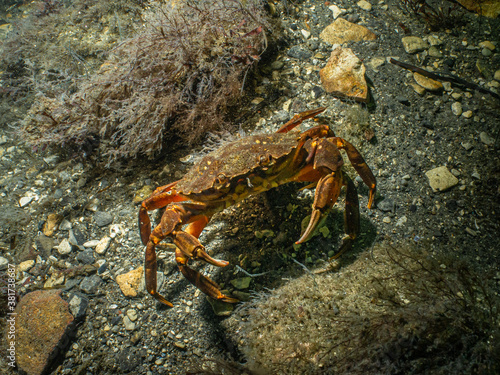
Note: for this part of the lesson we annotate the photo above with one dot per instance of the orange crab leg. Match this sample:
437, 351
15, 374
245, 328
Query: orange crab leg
327, 193
360, 166
297, 119
161, 197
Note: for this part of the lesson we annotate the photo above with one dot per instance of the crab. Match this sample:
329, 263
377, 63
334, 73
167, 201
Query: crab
249, 166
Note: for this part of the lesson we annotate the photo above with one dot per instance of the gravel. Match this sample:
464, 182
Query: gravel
413, 134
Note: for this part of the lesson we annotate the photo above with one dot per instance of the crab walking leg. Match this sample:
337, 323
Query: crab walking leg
297, 119
360, 166
161, 197
327, 193
351, 216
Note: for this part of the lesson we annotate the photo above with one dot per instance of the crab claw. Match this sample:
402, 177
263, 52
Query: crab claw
206, 285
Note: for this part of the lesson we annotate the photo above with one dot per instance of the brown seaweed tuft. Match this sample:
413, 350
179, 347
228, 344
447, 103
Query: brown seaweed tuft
173, 82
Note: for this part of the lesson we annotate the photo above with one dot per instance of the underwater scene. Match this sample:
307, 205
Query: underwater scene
249, 187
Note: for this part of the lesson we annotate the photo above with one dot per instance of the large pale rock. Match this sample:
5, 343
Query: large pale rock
441, 179
341, 31
488, 8
344, 75
43, 322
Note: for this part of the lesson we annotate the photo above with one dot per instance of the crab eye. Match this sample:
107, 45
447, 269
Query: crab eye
265, 160
221, 179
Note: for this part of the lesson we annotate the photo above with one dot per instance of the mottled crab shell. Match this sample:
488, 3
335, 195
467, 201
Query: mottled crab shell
237, 159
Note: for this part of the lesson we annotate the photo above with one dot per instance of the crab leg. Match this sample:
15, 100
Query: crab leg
161, 197
327, 193
360, 166
297, 119
188, 247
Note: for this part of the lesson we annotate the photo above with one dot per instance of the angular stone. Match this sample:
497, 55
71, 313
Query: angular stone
64, 247
90, 284
51, 225
488, 8
103, 245
441, 179
43, 323
143, 193
487, 139
365, 5
428, 83
129, 282
341, 31
103, 218
344, 75
241, 283
336, 11
414, 44
456, 108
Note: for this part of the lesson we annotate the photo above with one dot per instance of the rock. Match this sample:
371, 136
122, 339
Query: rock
51, 224
86, 257
143, 193
467, 146
297, 52
418, 89
56, 279
440, 179
132, 315
64, 247
4, 262
375, 63
26, 265
336, 11
91, 243
43, 324
24, 201
414, 44
129, 325
90, 284
102, 218
467, 114
221, 308
365, 5
434, 52
488, 8
434, 40
344, 75
428, 83
78, 305
341, 31
456, 108
487, 44
65, 225
386, 219
497, 75
103, 245
241, 283
305, 33
386, 205
401, 221
129, 282
486, 139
